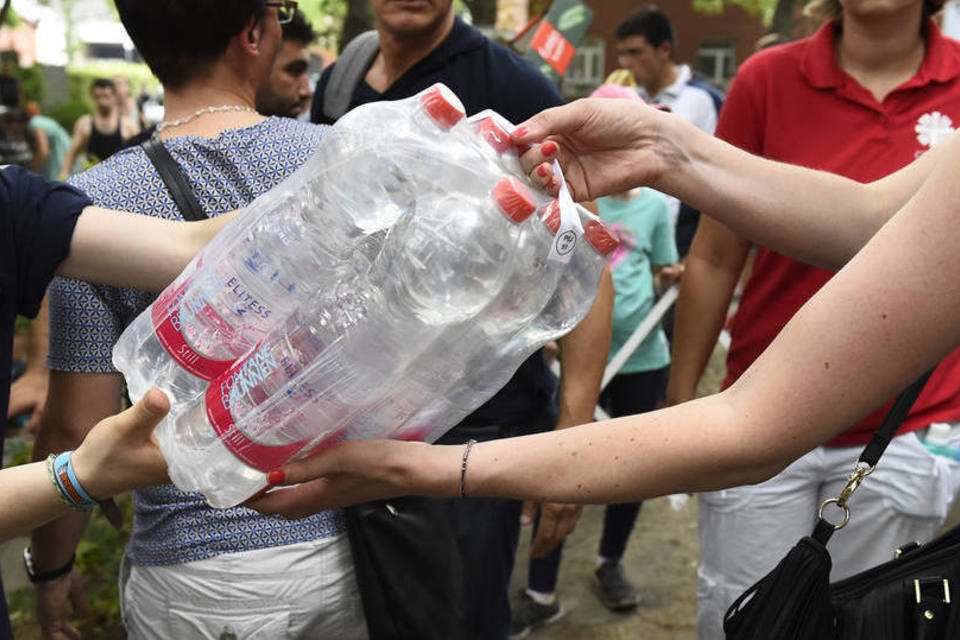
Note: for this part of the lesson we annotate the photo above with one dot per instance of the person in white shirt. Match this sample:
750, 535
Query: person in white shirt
646, 47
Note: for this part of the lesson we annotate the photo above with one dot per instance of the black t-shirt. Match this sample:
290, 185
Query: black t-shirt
484, 75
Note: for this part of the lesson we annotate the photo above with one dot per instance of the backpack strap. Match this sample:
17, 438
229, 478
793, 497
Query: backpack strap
347, 73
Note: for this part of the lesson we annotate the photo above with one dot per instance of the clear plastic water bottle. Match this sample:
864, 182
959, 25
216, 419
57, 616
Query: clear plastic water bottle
565, 307
259, 269
330, 370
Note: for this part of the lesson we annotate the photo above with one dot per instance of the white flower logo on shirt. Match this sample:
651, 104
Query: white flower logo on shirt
932, 128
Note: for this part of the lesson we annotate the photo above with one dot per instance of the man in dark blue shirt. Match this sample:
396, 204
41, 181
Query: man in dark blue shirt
42, 232
421, 44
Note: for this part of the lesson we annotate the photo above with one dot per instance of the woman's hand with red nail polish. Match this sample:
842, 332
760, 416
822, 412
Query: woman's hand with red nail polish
604, 146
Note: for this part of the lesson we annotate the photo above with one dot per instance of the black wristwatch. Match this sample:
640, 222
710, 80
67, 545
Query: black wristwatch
45, 576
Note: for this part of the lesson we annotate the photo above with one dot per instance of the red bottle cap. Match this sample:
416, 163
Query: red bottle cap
600, 237
442, 105
514, 199
493, 133
551, 216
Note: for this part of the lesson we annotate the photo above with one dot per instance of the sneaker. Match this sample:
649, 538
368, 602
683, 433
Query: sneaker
616, 592
528, 614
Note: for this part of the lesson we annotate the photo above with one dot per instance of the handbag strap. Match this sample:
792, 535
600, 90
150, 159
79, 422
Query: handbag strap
175, 180
870, 456
895, 417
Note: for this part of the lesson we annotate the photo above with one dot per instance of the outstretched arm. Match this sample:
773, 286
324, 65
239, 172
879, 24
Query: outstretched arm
143, 252
119, 454
890, 314
81, 137
609, 146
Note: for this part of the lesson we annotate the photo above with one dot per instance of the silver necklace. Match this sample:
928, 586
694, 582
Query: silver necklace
202, 112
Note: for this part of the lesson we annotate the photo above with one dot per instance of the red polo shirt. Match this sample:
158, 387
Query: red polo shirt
793, 103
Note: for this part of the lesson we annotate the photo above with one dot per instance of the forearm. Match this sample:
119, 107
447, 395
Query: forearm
583, 359
76, 402
705, 292
868, 333
28, 499
741, 190
68, 161
54, 543
39, 340
143, 252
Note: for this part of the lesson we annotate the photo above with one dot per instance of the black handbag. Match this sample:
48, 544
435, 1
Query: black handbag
408, 569
907, 598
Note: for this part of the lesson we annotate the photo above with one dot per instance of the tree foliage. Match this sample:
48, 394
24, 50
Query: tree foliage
326, 16
762, 8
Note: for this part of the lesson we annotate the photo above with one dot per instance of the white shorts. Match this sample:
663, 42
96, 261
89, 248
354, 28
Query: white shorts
744, 532
304, 590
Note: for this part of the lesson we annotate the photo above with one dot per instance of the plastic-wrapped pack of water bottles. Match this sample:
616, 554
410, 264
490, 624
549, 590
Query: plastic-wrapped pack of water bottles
385, 290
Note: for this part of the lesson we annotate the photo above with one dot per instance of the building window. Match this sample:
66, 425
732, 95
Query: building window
717, 62
586, 70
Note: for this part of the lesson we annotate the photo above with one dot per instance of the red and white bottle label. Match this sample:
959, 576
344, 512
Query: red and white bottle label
219, 398
165, 313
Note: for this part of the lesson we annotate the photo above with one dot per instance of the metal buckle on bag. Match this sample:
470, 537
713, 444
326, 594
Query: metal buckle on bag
923, 585
910, 547
860, 471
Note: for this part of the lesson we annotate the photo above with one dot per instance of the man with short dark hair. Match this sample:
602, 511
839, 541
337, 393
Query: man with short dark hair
288, 91
191, 571
101, 134
646, 46
419, 44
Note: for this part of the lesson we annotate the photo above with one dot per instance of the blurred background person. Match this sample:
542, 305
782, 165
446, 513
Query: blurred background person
126, 103
100, 134
49, 140
11, 91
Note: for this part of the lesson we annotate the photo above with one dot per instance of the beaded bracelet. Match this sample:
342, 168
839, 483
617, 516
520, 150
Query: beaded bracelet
60, 468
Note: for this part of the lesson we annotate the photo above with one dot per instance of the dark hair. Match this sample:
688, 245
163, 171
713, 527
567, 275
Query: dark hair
178, 39
299, 29
103, 83
652, 25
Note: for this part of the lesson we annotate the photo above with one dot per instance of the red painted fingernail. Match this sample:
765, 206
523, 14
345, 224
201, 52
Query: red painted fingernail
542, 171
275, 477
548, 148
519, 132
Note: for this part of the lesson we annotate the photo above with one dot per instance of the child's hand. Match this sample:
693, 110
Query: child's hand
669, 275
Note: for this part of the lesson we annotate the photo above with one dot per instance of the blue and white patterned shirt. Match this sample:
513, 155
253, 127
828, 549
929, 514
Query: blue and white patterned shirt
170, 526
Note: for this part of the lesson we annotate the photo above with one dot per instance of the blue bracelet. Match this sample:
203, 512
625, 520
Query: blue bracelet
68, 484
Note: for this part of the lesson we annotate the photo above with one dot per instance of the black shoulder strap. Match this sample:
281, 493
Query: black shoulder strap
871, 454
347, 73
898, 412
172, 176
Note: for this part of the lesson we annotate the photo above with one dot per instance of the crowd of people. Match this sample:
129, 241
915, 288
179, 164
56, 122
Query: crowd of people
865, 104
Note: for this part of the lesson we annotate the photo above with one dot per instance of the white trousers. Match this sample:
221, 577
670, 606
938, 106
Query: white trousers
744, 532
305, 590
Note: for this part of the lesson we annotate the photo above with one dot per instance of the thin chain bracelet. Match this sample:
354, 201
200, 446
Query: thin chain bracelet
463, 467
